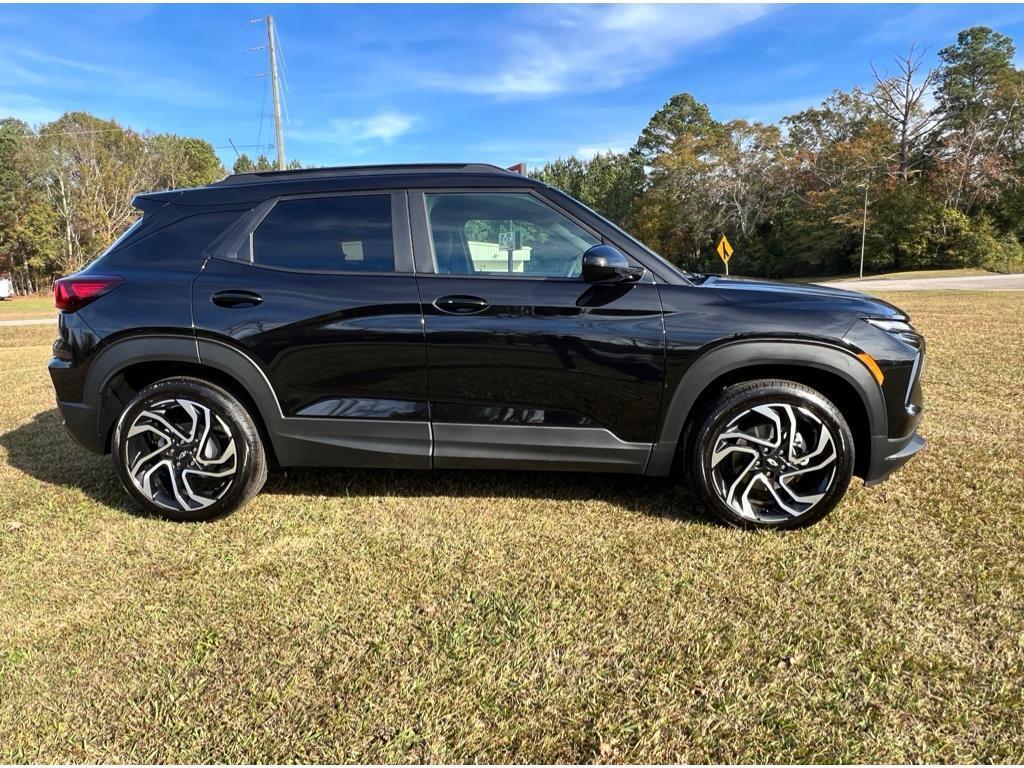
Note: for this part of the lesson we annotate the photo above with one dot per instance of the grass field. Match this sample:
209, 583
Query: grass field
403, 616
25, 307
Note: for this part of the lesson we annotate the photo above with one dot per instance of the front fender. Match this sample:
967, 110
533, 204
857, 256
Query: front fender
735, 355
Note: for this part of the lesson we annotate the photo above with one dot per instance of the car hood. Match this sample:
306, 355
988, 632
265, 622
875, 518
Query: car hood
799, 295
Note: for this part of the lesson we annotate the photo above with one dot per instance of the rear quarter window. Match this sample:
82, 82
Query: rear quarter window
184, 240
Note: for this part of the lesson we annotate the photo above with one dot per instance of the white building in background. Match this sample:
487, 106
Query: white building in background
493, 257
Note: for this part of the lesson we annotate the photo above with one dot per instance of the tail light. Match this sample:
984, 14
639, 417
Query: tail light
72, 293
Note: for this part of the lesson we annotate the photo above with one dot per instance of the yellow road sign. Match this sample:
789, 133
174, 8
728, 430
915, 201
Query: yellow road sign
724, 249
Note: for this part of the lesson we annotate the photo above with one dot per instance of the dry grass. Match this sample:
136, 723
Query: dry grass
403, 616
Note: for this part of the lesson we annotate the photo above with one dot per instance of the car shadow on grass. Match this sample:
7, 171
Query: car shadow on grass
656, 497
43, 449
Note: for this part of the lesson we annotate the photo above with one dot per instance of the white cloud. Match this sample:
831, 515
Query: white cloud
383, 127
591, 48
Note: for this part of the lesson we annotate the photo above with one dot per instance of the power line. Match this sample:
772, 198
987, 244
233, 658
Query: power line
243, 146
70, 133
263, 112
284, 76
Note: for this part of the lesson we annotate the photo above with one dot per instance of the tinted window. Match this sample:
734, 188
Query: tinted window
184, 240
327, 234
498, 233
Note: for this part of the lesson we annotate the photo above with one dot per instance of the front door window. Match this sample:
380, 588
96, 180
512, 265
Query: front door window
495, 233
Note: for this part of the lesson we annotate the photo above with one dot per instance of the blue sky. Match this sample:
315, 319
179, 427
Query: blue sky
431, 83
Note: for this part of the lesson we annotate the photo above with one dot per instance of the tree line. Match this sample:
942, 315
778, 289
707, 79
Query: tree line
926, 166
66, 188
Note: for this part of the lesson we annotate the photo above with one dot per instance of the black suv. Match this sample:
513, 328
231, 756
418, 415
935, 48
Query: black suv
463, 316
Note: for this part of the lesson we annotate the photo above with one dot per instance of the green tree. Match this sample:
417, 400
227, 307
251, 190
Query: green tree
677, 149
180, 161
676, 215
13, 135
609, 182
977, 82
681, 115
245, 164
980, 93
837, 149
29, 243
91, 170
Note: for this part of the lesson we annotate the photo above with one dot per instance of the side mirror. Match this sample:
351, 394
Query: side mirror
606, 264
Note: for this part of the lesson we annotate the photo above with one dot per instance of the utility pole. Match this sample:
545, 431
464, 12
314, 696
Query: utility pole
275, 87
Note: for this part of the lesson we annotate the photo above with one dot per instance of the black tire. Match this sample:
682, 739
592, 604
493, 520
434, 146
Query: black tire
788, 471
231, 444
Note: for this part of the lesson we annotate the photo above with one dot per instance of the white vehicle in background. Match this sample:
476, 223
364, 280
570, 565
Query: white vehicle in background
6, 288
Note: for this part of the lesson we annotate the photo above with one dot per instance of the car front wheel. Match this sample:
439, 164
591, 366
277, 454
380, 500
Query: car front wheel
187, 450
772, 454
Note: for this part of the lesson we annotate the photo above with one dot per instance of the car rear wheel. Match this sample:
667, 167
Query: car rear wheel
772, 454
187, 450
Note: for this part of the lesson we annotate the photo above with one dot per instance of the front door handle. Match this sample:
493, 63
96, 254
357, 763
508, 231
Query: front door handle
461, 305
237, 299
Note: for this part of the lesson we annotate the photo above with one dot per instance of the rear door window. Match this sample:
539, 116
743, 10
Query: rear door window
350, 233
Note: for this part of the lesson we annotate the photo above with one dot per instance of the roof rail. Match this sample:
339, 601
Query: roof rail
299, 174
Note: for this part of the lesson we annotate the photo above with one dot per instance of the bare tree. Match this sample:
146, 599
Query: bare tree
902, 99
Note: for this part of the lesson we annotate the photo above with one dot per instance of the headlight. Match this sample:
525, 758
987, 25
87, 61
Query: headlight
901, 329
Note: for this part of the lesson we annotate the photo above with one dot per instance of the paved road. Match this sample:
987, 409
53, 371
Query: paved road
982, 283
36, 321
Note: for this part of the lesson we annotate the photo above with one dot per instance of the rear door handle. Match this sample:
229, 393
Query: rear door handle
461, 305
237, 299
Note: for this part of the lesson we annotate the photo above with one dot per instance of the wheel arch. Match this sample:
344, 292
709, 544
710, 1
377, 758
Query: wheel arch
831, 370
127, 365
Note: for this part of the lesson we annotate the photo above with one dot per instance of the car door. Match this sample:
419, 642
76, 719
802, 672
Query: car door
528, 365
320, 294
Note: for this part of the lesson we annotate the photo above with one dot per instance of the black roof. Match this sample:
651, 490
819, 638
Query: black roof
345, 171
249, 188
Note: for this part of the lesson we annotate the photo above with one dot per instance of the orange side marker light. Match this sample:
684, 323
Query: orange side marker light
869, 361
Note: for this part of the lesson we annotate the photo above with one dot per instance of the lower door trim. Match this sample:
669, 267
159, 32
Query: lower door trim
505, 446
313, 442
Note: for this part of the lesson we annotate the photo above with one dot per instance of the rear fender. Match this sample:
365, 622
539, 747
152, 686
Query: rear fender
296, 441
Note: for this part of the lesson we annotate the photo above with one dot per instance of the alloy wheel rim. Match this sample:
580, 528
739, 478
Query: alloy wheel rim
180, 454
773, 462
